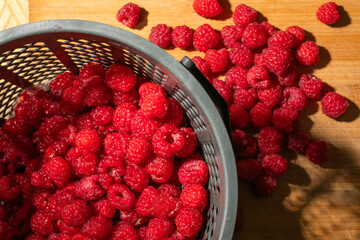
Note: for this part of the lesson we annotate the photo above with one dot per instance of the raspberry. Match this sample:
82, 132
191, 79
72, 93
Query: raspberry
270, 30
82, 162
133, 218
217, 59
259, 59
311, 86
194, 196
193, 172
282, 39
231, 35
160, 35
316, 152
307, 53
97, 228
245, 145
168, 140
131, 96
41, 223
159, 228
120, 197
260, 115
112, 165
154, 105
244, 15
225, 91
271, 96
289, 77
205, 38
293, 98
254, 35
101, 115
120, 78
129, 14
96, 93
328, 13
175, 113
160, 169
246, 98
9, 190
75, 213
142, 233
88, 139
190, 143
169, 189
298, 34
150, 88
333, 105
123, 115
58, 170
139, 151
248, 169
258, 77
116, 144
57, 148
285, 119
182, 37
79, 236
237, 76
241, 55
124, 230
16, 126
142, 126
297, 141
136, 178
29, 111
264, 186
239, 117
88, 188
103, 208
84, 121
61, 82
202, 65
207, 8
270, 140
90, 70
274, 165
277, 59
188, 221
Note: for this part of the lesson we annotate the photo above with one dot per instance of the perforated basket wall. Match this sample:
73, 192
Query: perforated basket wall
35, 53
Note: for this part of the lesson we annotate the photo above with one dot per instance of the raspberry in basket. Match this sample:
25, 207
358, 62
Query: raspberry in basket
182, 37
194, 196
61, 82
116, 144
120, 197
160, 169
120, 78
97, 227
136, 178
205, 38
88, 139
58, 170
160, 35
129, 14
244, 15
42, 223
76, 213
207, 8
188, 221
159, 228
328, 13
104, 208
193, 172
124, 230
333, 105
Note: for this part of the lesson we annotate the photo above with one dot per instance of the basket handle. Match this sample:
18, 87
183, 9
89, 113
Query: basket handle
215, 96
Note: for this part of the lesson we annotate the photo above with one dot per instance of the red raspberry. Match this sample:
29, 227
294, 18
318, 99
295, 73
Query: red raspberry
289, 77
123, 115
258, 77
75, 213
57, 148
260, 115
133, 218
120, 197
270, 140
285, 119
89, 189
175, 113
231, 35
293, 98
168, 140
182, 37
61, 82
79, 236
225, 91
297, 141
97, 228
274, 165
169, 189
245, 145
29, 111
333, 105
120, 78
60, 236
136, 178
142, 126
259, 59
193, 172
194, 196
113, 166
311, 86
129, 14
282, 39
131, 96
237, 76
270, 30
88, 71
124, 230
307, 53
116, 144
239, 117
241, 55
84, 121
160, 169
328, 13
246, 98
202, 65
160, 35
248, 169
150, 88
277, 59
9, 190
298, 34
188, 221
217, 59
190, 143
316, 152
254, 35
103, 208
205, 38
58, 170
207, 8
154, 105
101, 115
271, 96
159, 228
244, 15
264, 186
96, 93
139, 151
16, 126
42, 223
88, 139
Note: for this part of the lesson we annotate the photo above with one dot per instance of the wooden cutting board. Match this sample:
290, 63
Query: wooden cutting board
311, 202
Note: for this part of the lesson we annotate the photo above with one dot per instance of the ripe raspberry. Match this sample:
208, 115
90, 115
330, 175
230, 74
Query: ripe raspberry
131, 96
101, 115
264, 186
30, 111
271, 96
188, 221
285, 119
169, 189
160, 35
297, 141
328, 13
194, 196
150, 88
116, 144
205, 38
97, 228
241, 55
133, 218
142, 126
136, 178
168, 140
202, 65
237, 76
246, 98
61, 82
175, 113
113, 166
190, 143
16, 126
244, 15
307, 53
239, 117
120, 78
226, 92
193, 172
79, 236
289, 77
254, 36
58, 170
89, 189
129, 14
123, 115
182, 37
88, 71
124, 230
88, 139
248, 169
154, 105
245, 145
270, 140
207, 8
75, 213
311, 86
270, 30
260, 115
139, 151
274, 165
217, 59
103, 208
277, 59
258, 77
160, 169
333, 105
159, 228
120, 197
293, 98
82, 162
259, 59
316, 152
9, 190
230, 35
95, 93
282, 39
84, 121
41, 223
298, 34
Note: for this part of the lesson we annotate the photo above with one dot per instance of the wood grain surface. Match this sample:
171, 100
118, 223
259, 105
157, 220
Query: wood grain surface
13, 13
311, 202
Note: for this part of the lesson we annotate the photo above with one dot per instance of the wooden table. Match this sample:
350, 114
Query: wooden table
311, 202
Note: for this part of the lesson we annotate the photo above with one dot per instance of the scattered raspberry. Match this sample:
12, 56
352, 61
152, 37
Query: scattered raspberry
316, 152
175, 113
217, 59
129, 14
160, 169
270, 30
124, 230
285, 119
182, 37
239, 117
277, 59
202, 65
120, 78
190, 143
311, 86
260, 115
136, 178
142, 126
328, 13
293, 98
241, 55
237, 76
298, 34
58, 170
264, 186
230, 35
282, 39
207, 8
248, 169
271, 96
258, 77
289, 77
75, 213
160, 35
159, 228
194, 196
297, 141
225, 91
116, 144
205, 38
274, 165
245, 145
88, 139
244, 15
120, 197
168, 140
333, 105
97, 228
246, 98
307, 53
61, 82
270, 140
193, 172
42, 224
254, 36
188, 221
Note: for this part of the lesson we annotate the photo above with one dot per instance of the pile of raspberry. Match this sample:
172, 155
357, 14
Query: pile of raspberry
105, 154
